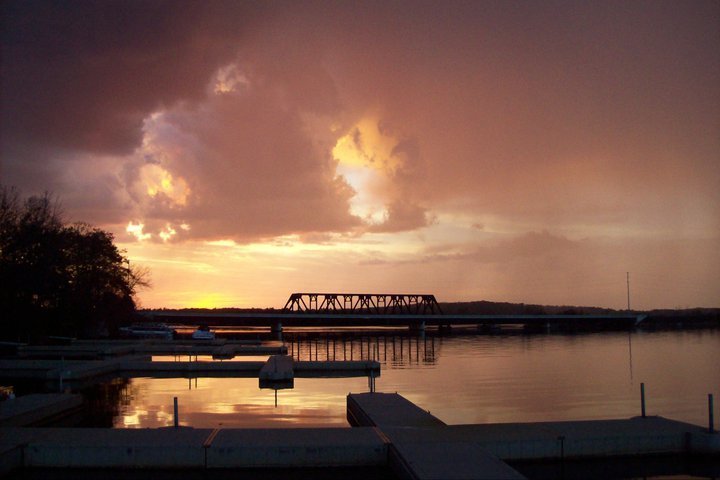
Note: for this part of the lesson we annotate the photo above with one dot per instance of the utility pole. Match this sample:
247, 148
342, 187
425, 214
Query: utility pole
628, 289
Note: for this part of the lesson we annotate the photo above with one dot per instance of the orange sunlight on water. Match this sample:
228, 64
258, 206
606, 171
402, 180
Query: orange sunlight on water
460, 379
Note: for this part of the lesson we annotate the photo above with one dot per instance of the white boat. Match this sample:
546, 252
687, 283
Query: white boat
203, 333
148, 330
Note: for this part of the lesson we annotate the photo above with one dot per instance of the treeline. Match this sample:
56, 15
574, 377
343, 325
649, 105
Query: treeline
483, 307
216, 310
57, 278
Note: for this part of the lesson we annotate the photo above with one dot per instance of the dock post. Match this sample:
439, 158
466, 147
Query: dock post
62, 371
175, 412
711, 419
642, 399
371, 381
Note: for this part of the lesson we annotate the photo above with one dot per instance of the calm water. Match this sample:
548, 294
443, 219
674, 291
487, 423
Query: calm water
459, 378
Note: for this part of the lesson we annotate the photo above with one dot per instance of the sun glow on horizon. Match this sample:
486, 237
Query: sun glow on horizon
212, 300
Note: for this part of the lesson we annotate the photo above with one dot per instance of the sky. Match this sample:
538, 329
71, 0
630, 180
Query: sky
512, 151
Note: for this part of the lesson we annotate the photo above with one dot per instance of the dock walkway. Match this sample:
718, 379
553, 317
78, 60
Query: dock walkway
30, 409
414, 451
179, 448
219, 349
135, 366
422, 446
389, 431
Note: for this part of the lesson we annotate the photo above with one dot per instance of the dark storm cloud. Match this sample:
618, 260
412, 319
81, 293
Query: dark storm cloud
84, 75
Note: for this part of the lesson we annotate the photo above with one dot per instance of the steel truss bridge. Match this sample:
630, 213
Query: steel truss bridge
362, 303
416, 311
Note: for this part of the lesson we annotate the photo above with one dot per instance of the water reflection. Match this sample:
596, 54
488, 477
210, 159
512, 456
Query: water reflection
235, 402
395, 350
459, 378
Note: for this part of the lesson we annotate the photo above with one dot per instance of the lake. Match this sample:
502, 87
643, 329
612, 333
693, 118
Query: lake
460, 378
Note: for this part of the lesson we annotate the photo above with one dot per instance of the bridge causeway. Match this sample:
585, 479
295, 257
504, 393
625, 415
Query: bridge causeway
415, 311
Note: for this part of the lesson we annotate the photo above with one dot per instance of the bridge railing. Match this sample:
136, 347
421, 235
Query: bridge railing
363, 303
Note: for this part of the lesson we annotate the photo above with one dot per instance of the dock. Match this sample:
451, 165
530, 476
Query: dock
37, 408
423, 447
419, 454
277, 367
218, 349
388, 431
180, 448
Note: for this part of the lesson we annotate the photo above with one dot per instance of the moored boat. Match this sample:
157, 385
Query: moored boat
203, 333
148, 330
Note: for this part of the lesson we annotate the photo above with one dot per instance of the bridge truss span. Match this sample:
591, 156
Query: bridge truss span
363, 303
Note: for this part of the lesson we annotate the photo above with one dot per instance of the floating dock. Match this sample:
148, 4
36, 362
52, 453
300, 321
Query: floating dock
129, 367
423, 447
181, 448
420, 455
219, 349
37, 408
390, 431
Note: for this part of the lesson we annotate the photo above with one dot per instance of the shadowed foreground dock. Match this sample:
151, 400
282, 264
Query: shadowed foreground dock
422, 447
388, 431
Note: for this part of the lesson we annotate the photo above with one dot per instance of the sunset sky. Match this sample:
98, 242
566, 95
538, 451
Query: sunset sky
512, 151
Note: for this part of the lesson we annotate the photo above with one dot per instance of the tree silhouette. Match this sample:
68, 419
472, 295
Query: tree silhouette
59, 279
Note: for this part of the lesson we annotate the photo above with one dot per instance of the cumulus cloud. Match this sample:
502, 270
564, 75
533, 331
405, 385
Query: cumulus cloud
319, 121
84, 75
239, 106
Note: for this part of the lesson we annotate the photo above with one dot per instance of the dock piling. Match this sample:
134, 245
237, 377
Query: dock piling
175, 412
711, 419
642, 399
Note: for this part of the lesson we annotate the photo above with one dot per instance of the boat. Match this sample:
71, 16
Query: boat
203, 333
148, 330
